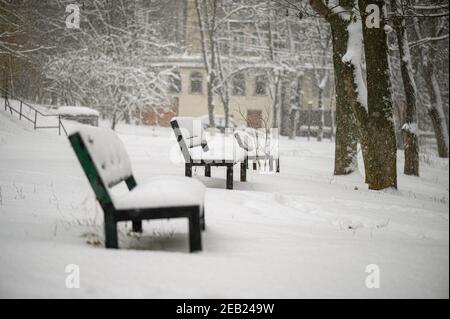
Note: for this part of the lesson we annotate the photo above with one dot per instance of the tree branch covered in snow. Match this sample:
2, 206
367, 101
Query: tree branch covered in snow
111, 67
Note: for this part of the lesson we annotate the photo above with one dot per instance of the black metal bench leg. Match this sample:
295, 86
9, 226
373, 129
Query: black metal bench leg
188, 170
203, 222
111, 240
254, 165
278, 165
195, 236
137, 226
244, 171
230, 176
207, 170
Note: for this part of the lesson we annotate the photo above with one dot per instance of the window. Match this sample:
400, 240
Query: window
260, 85
238, 41
255, 39
239, 85
175, 82
196, 83
279, 42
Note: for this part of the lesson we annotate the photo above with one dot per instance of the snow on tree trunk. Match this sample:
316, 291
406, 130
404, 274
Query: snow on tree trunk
346, 139
381, 168
347, 105
410, 128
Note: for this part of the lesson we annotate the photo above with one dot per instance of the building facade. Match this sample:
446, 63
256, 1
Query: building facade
251, 101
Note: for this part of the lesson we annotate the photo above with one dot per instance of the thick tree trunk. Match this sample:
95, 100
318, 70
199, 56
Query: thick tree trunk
410, 127
346, 140
382, 149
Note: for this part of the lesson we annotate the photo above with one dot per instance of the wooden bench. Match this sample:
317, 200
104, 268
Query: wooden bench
106, 164
198, 152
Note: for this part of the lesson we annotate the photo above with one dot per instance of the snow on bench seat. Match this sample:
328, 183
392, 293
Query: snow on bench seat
220, 148
162, 191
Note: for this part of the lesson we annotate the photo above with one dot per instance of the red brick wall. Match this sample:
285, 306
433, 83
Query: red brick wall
160, 115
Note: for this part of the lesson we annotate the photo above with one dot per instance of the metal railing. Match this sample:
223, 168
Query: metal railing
23, 106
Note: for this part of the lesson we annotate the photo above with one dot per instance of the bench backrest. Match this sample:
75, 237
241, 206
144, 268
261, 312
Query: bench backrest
104, 160
189, 134
245, 140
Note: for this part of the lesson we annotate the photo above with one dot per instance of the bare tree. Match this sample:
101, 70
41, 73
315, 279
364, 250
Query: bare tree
430, 23
410, 126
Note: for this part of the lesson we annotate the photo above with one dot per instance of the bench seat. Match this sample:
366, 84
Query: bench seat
162, 191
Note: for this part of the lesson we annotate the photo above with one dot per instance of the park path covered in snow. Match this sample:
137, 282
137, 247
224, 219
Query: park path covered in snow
298, 234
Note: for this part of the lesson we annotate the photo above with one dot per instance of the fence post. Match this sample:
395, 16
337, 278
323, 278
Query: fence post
35, 118
20, 113
59, 125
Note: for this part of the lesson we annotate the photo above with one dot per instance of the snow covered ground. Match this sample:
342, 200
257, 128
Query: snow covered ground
298, 234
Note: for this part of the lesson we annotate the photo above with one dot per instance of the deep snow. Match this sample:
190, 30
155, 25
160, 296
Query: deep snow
298, 234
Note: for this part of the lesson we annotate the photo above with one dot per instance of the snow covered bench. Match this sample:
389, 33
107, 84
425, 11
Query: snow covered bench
105, 162
258, 147
197, 151
79, 114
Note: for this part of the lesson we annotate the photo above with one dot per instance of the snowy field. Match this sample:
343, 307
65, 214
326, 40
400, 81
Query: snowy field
299, 234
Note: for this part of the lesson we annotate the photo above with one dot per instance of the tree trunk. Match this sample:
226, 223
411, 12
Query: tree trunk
439, 132
285, 107
410, 126
436, 110
346, 140
321, 120
293, 126
382, 149
206, 32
